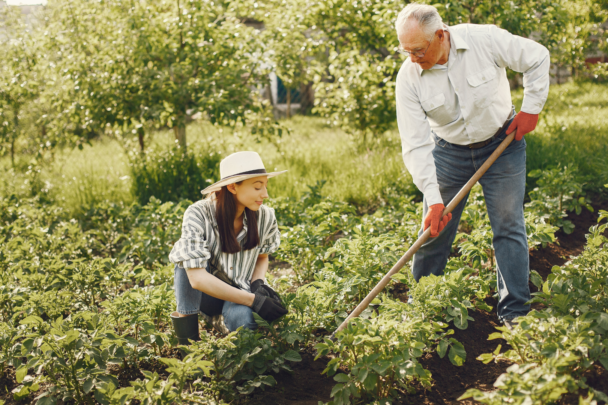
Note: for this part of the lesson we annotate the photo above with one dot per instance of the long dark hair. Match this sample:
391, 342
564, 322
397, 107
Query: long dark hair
225, 211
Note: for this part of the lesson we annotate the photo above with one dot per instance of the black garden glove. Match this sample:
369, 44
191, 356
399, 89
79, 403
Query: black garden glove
258, 285
269, 309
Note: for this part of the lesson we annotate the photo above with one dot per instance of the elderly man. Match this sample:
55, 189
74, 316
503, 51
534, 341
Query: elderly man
453, 110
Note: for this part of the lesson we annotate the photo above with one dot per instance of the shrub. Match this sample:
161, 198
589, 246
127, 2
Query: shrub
171, 175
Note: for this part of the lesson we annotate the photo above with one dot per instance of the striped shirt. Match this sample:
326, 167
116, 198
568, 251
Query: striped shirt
199, 244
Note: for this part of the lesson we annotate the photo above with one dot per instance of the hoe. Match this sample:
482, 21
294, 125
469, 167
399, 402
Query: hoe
425, 236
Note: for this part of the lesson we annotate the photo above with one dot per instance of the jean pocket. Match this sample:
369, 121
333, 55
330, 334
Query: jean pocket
439, 141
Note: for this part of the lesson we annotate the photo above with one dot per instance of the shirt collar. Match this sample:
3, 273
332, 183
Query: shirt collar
456, 42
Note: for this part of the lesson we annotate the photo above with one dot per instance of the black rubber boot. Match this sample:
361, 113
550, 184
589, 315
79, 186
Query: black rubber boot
186, 328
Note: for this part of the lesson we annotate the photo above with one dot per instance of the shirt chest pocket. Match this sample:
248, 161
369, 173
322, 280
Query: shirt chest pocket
436, 110
483, 87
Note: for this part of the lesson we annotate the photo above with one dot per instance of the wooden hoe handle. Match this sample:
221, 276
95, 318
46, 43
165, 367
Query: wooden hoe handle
424, 237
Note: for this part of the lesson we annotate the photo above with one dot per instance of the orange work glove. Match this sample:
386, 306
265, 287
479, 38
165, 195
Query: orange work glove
524, 123
434, 220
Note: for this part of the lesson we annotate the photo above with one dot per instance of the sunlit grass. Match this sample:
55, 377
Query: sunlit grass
573, 130
77, 179
311, 152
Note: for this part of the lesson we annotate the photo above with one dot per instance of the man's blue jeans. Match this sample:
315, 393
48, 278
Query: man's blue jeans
191, 301
503, 188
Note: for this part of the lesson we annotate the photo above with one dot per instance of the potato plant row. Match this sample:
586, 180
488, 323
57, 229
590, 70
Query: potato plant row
553, 347
83, 300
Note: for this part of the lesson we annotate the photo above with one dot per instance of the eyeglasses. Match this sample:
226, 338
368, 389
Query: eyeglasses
417, 54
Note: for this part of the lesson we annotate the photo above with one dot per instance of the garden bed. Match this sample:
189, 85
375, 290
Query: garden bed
449, 314
307, 385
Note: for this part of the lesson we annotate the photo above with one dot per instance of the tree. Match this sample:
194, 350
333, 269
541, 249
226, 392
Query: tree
18, 78
357, 90
125, 66
289, 43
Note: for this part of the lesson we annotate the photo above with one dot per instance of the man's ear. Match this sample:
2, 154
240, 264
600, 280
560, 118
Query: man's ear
232, 188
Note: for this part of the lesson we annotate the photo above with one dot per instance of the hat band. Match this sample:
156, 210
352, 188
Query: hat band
256, 171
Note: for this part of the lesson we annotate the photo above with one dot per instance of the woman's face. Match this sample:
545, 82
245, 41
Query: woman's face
250, 193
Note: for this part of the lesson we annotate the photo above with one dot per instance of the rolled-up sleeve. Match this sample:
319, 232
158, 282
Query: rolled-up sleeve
416, 143
272, 236
191, 250
528, 57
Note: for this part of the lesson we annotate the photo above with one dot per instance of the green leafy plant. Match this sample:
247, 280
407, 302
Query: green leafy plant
154, 390
240, 362
72, 359
558, 191
552, 348
154, 231
531, 384
380, 354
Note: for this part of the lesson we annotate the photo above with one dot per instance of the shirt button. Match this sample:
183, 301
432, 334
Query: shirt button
231, 267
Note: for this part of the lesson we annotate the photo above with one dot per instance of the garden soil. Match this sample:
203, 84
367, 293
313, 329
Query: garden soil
307, 386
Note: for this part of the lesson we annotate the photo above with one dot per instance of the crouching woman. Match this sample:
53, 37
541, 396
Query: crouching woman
221, 258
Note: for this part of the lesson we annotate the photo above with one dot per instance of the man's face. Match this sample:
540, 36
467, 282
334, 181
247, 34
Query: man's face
414, 40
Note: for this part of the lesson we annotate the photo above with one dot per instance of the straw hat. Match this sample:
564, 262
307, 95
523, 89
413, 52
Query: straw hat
238, 167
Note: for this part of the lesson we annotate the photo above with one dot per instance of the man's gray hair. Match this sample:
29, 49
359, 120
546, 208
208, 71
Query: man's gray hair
426, 16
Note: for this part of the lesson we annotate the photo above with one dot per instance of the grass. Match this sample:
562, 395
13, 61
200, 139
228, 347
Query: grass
77, 179
573, 130
313, 152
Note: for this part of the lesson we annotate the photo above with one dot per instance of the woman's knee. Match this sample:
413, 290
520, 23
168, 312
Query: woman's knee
239, 315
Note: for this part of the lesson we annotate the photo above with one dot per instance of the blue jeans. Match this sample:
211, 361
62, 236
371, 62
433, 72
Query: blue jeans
191, 301
503, 188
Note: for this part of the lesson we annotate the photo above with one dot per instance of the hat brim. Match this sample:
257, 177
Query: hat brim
217, 186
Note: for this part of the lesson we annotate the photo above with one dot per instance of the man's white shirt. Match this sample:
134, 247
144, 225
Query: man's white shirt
468, 99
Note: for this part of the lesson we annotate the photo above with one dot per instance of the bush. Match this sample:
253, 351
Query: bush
171, 175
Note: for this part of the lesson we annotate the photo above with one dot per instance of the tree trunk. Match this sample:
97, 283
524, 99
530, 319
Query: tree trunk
140, 137
13, 152
180, 136
288, 112
15, 133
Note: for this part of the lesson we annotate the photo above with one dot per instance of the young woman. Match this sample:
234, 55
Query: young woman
221, 258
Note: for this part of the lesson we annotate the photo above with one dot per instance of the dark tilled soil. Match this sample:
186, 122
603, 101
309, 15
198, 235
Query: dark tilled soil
306, 386
596, 377
7, 384
450, 381
556, 254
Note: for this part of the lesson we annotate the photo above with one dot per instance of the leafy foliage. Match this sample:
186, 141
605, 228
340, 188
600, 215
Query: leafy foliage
552, 348
558, 192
